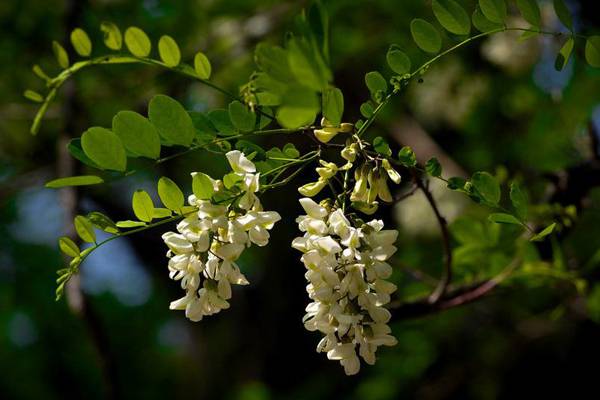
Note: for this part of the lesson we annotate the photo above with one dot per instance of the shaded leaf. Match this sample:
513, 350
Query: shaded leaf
407, 157
375, 82
425, 36
494, 10
563, 13
486, 186
381, 146
241, 116
452, 16
433, 167
545, 232
398, 61
482, 23
519, 200
592, 51
562, 58
503, 218
222, 122
333, 105
530, 10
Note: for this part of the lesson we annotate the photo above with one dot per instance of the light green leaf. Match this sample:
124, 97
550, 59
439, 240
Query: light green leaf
503, 218
103, 222
333, 105
104, 148
545, 232
202, 186
290, 150
299, 107
375, 82
85, 229
82, 180
452, 16
137, 134
273, 60
486, 186
33, 96
61, 55
592, 51
174, 124
130, 224
68, 247
482, 23
143, 208
81, 42
170, 194
307, 65
530, 10
241, 116
519, 200
407, 157
162, 213
494, 10
562, 58
222, 122
231, 179
433, 167
137, 42
202, 66
39, 72
425, 36
112, 35
169, 51
398, 61
563, 14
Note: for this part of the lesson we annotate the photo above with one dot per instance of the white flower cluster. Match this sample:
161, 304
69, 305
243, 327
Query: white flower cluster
203, 253
347, 273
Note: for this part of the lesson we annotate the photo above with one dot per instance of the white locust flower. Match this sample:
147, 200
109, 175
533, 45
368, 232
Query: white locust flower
203, 252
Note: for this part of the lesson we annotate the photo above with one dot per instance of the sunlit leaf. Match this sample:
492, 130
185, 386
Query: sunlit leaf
545, 232
112, 35
68, 247
143, 208
169, 51
81, 180
162, 212
130, 224
138, 135
333, 105
299, 107
170, 194
33, 96
202, 186
102, 222
137, 42
84, 229
81, 42
562, 58
202, 66
241, 116
104, 148
174, 124
381, 146
503, 218
61, 55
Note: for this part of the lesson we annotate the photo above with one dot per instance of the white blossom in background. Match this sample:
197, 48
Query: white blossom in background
346, 273
203, 252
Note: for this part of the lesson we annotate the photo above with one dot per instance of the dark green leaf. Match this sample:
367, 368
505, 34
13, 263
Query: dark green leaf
202, 66
456, 183
202, 186
407, 157
61, 55
487, 187
375, 82
563, 14
103, 222
592, 51
137, 42
241, 116
137, 134
170, 194
84, 229
381, 146
81, 42
452, 16
112, 35
82, 180
494, 10
519, 200
482, 23
333, 105
366, 109
530, 10
433, 167
77, 152
104, 148
222, 122
398, 61
425, 36
174, 124
169, 51
143, 208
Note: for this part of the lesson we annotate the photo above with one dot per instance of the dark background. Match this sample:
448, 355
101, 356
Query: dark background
496, 105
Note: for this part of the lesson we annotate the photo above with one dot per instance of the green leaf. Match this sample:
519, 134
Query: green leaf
169, 51
103, 222
273, 60
143, 208
366, 109
174, 124
82, 180
222, 122
381, 146
39, 72
456, 183
81, 42
307, 65
398, 61
503, 218
61, 55
170, 194
130, 224
563, 13
333, 105
137, 42
74, 147
519, 200
137, 134
162, 213
104, 148
433, 167
202, 66
482, 23
241, 116
540, 236
530, 10
494, 10
407, 157
33, 96
299, 107
248, 147
562, 58
290, 150
527, 35
85, 229
68, 247
452, 16
202, 186
375, 82
231, 179
112, 35
487, 187
592, 51
425, 36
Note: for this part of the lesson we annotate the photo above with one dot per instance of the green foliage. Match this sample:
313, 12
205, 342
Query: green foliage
544, 232
61, 55
222, 122
137, 134
170, 194
81, 42
592, 51
103, 222
174, 124
104, 148
367, 109
503, 218
84, 229
486, 188
530, 10
519, 200
398, 61
241, 116
169, 51
33, 96
381, 146
375, 82
563, 13
333, 105
112, 35
407, 157
202, 186
82, 180
494, 10
452, 16
137, 42
299, 107
562, 58
143, 208
202, 66
426, 36
433, 167
482, 23
68, 247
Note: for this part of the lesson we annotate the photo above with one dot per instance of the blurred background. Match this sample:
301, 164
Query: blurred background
497, 105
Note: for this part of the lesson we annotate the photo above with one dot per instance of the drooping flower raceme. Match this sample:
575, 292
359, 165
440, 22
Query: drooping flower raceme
203, 252
346, 273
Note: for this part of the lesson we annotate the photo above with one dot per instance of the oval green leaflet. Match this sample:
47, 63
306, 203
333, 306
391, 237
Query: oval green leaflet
169, 51
202, 66
104, 148
137, 42
61, 55
398, 61
112, 35
170, 194
84, 229
173, 122
81, 180
81, 42
143, 208
494, 10
68, 247
426, 36
138, 135
452, 16
333, 105
530, 10
241, 116
592, 51
202, 186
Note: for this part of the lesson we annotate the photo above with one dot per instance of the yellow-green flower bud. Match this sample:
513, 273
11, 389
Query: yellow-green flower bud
392, 173
313, 188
